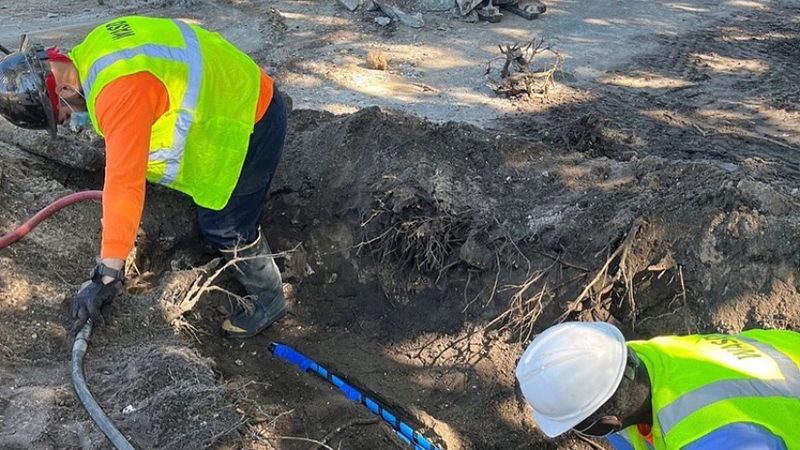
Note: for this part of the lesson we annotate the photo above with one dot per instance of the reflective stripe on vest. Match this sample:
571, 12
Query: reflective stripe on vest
688, 403
190, 55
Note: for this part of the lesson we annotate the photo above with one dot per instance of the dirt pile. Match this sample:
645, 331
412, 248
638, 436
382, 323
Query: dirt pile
425, 252
430, 197
421, 254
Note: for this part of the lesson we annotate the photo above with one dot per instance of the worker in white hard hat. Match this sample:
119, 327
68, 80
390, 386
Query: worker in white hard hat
696, 392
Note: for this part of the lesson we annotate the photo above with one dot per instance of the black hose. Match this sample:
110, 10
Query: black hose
79, 348
4, 50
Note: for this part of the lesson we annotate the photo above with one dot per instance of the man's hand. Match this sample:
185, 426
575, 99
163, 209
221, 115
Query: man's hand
94, 294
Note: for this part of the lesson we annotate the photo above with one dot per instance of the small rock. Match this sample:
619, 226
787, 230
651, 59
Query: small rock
435, 5
238, 362
466, 6
287, 100
383, 21
376, 60
470, 17
770, 200
475, 253
128, 409
350, 5
370, 5
52, 15
409, 20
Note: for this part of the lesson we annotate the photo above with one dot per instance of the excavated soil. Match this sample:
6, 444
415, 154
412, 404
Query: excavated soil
420, 257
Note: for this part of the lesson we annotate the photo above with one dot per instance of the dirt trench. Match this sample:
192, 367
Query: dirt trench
421, 257
418, 271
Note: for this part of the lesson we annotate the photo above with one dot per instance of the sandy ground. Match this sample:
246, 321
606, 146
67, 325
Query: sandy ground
437, 72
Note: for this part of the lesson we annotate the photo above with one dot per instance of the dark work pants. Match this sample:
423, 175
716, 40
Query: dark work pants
235, 224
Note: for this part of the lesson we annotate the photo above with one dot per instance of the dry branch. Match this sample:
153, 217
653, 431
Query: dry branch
516, 76
185, 300
213, 440
268, 439
591, 443
524, 310
340, 428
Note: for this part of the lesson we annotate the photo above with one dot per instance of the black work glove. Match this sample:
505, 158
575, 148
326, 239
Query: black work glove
93, 295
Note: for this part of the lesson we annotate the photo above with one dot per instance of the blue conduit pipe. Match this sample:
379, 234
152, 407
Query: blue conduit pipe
403, 430
79, 348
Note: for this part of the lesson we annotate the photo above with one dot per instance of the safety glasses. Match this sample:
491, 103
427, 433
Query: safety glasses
596, 428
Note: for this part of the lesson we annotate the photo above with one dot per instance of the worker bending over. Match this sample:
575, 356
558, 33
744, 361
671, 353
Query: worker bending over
178, 106
697, 392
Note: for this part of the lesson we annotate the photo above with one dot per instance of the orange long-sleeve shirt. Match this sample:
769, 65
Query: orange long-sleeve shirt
126, 110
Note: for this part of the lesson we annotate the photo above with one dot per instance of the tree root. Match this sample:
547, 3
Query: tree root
344, 426
413, 230
603, 281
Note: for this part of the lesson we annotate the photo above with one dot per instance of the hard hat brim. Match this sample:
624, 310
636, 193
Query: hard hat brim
35, 65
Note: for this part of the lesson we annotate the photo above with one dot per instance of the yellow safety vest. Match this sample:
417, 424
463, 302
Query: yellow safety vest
701, 383
632, 435
199, 145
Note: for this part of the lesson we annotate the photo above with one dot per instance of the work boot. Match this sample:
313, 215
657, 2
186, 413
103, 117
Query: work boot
259, 275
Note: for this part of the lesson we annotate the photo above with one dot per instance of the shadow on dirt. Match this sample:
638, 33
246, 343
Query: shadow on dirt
718, 99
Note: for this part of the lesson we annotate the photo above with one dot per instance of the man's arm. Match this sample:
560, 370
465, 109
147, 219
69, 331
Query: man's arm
739, 436
126, 110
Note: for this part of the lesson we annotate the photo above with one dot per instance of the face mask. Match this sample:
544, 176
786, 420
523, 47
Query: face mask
79, 120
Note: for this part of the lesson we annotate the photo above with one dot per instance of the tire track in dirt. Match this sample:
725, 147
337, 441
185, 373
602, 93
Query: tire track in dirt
725, 92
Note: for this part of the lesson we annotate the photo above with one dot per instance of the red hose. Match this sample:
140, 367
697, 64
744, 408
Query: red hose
23, 229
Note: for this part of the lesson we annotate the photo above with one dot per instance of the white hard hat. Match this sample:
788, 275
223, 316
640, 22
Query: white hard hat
569, 371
